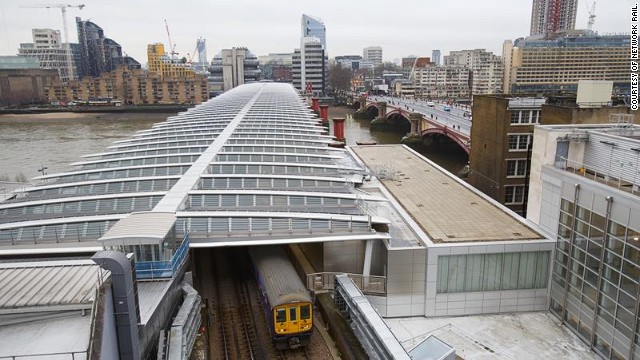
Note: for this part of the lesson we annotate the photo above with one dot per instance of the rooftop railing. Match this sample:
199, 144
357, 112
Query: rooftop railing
605, 178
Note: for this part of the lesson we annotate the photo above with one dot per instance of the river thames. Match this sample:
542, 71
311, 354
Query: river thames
30, 142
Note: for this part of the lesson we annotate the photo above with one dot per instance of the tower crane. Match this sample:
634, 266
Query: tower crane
592, 15
63, 8
172, 48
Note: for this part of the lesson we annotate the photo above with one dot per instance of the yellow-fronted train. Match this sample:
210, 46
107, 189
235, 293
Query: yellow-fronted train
287, 303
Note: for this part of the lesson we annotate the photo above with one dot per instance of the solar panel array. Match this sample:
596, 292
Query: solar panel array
254, 160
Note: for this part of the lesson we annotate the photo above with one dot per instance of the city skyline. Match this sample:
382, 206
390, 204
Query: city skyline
419, 28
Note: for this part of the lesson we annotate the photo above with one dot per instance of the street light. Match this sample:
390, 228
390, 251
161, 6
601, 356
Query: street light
43, 169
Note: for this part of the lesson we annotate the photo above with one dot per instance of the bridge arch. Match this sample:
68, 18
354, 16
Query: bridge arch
399, 121
451, 135
372, 110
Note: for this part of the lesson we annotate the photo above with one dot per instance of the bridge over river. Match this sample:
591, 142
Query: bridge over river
453, 122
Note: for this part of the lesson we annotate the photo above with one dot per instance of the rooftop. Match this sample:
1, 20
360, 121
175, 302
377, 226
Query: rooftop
447, 209
536, 335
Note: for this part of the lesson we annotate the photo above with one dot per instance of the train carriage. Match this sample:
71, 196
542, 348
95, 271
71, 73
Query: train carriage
287, 303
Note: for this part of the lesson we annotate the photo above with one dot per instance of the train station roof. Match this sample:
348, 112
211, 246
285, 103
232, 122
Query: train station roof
253, 163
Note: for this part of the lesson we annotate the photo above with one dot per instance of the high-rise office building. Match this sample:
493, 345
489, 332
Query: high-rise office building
435, 57
232, 67
310, 61
99, 54
309, 66
373, 54
548, 16
558, 63
314, 27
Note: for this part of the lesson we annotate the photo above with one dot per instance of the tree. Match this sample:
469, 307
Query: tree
339, 78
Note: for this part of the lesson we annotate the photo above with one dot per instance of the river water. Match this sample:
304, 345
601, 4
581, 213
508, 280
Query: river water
30, 142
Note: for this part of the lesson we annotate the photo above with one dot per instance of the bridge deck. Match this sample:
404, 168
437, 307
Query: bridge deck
445, 207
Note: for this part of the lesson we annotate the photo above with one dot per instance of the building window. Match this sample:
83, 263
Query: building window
525, 116
519, 142
516, 168
492, 272
514, 194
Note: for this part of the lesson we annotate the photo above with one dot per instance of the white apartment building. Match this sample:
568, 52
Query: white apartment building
486, 69
372, 54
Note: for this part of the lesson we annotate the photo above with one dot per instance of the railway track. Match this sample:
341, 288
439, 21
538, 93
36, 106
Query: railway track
237, 328
233, 329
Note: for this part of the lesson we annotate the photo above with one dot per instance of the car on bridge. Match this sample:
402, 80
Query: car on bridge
447, 108
431, 104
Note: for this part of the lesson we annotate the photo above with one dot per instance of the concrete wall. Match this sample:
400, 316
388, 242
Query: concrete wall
109, 341
344, 256
406, 282
486, 302
491, 122
25, 86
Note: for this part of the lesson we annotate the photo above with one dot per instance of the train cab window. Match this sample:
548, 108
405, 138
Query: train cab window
281, 315
305, 312
292, 314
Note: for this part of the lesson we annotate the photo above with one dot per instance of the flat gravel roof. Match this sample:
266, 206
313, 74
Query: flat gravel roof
446, 208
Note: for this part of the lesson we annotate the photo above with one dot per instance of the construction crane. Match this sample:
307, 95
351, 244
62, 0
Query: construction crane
592, 15
172, 48
63, 8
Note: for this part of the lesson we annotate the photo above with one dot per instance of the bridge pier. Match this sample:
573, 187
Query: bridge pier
314, 104
363, 102
382, 108
416, 123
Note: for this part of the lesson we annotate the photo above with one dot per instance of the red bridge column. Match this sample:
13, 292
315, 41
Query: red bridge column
324, 112
338, 129
314, 104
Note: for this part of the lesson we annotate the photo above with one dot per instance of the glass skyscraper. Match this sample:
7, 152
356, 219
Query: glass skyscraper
313, 27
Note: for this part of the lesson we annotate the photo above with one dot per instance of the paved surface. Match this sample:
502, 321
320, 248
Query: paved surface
454, 118
446, 208
512, 336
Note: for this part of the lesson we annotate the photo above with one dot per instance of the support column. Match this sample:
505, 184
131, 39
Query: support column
324, 113
416, 123
338, 129
314, 104
363, 102
382, 108
366, 268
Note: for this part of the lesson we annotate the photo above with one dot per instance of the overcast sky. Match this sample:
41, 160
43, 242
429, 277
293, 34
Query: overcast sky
405, 27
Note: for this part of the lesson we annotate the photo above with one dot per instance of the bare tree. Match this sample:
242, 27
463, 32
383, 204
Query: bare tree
339, 78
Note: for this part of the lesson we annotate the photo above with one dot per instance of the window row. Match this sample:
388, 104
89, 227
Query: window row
493, 272
519, 142
254, 141
143, 161
273, 149
118, 205
56, 233
263, 224
275, 201
176, 150
516, 168
125, 173
272, 183
525, 116
272, 158
106, 188
269, 169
